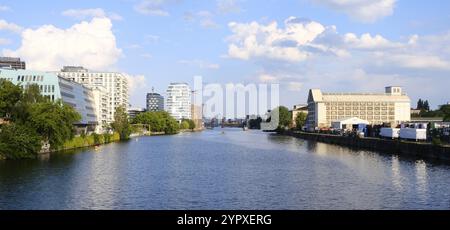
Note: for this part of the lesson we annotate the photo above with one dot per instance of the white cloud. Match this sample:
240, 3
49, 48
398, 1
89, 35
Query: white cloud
302, 40
254, 40
4, 8
136, 82
200, 63
228, 6
90, 44
4, 25
366, 41
267, 78
295, 86
208, 23
152, 7
413, 61
82, 14
367, 11
204, 18
4, 41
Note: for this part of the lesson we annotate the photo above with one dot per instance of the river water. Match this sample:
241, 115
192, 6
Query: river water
223, 169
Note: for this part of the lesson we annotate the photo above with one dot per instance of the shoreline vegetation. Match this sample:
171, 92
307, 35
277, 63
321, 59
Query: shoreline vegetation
104, 139
32, 124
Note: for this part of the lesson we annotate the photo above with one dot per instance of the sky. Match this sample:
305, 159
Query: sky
334, 45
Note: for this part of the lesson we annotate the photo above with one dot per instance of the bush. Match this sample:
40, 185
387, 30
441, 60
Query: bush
184, 125
107, 138
158, 122
436, 141
18, 142
97, 140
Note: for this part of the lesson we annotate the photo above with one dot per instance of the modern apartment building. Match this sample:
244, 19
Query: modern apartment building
114, 86
13, 63
393, 107
155, 102
178, 103
81, 98
101, 100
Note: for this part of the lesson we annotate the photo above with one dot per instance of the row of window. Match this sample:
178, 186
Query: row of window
360, 108
30, 78
360, 104
47, 88
361, 113
368, 118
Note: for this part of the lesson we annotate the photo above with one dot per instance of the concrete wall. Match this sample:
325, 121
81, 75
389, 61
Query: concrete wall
422, 150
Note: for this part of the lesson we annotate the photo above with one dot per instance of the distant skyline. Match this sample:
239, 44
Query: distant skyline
338, 46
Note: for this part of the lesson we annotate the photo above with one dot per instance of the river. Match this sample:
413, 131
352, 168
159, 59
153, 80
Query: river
223, 169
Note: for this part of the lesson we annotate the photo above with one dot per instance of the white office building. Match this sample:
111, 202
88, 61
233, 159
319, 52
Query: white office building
393, 107
178, 103
114, 87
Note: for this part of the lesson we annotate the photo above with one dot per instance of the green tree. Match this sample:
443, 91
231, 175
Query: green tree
53, 121
184, 125
19, 141
300, 120
284, 118
191, 124
10, 95
121, 124
445, 109
31, 95
172, 126
426, 106
153, 119
159, 122
420, 104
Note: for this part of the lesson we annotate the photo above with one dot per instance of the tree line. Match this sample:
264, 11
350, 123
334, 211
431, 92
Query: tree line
29, 120
425, 111
286, 122
162, 122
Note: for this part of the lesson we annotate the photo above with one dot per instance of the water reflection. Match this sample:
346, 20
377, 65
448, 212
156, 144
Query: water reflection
422, 181
396, 174
235, 170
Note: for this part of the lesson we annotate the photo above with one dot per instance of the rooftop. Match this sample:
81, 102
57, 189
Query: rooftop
9, 59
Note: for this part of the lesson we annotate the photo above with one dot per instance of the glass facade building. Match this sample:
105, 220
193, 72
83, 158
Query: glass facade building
155, 102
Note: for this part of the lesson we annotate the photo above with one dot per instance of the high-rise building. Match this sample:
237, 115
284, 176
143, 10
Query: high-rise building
114, 86
393, 107
155, 102
101, 100
179, 101
13, 63
79, 97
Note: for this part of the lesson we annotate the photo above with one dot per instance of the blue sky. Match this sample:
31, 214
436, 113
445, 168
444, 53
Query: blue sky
347, 45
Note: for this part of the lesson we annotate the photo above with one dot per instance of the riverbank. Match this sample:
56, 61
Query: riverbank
92, 140
401, 147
